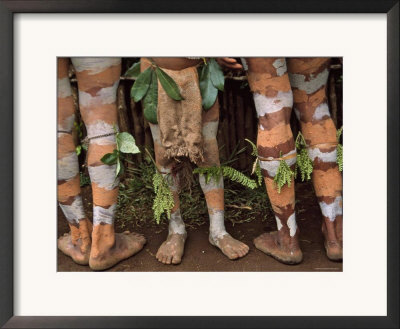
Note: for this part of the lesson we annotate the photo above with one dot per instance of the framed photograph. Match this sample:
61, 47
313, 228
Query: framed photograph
193, 155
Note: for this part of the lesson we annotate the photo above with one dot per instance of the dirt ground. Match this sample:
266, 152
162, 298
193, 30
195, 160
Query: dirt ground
201, 256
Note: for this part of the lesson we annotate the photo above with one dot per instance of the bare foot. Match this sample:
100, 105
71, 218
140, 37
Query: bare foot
333, 245
171, 250
73, 250
126, 245
286, 250
230, 247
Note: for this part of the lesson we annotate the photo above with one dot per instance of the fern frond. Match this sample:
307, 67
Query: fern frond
164, 200
254, 147
228, 172
339, 149
300, 141
339, 157
238, 177
283, 175
304, 164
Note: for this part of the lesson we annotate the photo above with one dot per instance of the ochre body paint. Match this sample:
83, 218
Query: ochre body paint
98, 80
77, 243
172, 249
273, 89
269, 82
308, 77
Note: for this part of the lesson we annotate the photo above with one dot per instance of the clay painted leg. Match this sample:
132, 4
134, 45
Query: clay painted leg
98, 80
308, 77
214, 190
273, 99
75, 244
171, 250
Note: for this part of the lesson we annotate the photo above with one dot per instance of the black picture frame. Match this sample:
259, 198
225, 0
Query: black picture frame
10, 7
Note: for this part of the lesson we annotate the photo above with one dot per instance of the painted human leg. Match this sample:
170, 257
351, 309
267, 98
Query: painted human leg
75, 244
171, 250
214, 190
98, 80
269, 82
308, 77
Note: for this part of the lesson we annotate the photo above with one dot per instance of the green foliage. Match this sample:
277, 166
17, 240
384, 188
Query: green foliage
164, 200
141, 85
225, 171
125, 144
217, 76
283, 175
339, 149
78, 149
110, 158
211, 79
146, 88
237, 176
208, 92
150, 101
84, 179
133, 71
304, 164
169, 85
256, 165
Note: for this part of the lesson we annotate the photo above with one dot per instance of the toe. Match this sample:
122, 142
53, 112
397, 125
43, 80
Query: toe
176, 260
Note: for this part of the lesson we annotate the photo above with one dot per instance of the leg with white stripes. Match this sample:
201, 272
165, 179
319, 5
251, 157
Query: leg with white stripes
172, 249
98, 79
269, 82
75, 244
214, 190
308, 77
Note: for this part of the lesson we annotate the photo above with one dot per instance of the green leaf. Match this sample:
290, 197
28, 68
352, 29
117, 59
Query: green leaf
217, 76
78, 149
150, 101
110, 158
208, 91
120, 168
141, 85
126, 143
134, 70
169, 85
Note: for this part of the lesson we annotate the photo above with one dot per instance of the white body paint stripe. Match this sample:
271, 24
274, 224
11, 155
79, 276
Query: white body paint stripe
299, 81
99, 128
103, 215
324, 157
333, 209
67, 167
266, 104
176, 224
104, 176
210, 130
278, 223
107, 95
217, 226
280, 65
75, 211
273, 165
67, 124
155, 132
321, 112
211, 185
291, 223
63, 88
94, 64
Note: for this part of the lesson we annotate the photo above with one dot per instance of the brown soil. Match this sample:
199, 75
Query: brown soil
200, 255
